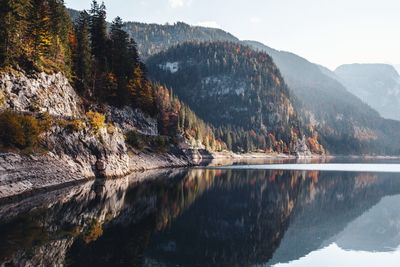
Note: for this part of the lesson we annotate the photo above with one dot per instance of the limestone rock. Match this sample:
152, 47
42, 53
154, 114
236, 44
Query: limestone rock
39, 92
129, 119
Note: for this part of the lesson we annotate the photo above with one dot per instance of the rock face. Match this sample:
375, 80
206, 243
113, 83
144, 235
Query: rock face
88, 149
39, 92
129, 119
22, 174
301, 148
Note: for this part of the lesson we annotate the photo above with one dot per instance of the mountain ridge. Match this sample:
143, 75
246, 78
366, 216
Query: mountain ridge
376, 84
345, 123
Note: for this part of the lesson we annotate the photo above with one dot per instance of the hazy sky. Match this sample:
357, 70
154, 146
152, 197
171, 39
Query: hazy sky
328, 32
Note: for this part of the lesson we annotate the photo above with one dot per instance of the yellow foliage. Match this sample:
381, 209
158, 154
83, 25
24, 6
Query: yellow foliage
73, 125
93, 233
76, 125
96, 120
19, 131
2, 99
315, 146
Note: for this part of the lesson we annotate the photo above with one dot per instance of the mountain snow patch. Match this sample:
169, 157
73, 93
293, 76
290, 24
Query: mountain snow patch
172, 67
223, 85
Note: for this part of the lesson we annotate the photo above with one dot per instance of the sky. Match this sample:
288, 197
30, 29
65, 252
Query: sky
327, 32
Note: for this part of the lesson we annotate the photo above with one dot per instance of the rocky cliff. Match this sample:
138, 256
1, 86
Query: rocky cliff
72, 147
39, 92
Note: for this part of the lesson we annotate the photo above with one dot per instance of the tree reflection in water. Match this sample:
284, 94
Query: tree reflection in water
198, 217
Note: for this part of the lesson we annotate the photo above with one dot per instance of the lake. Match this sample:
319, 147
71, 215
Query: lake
241, 215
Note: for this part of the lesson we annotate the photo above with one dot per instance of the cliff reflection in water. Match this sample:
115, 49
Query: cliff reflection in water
198, 217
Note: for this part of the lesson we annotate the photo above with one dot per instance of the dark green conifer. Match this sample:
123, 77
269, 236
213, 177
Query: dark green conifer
83, 56
13, 28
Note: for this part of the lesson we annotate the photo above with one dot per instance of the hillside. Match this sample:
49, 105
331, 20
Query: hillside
378, 85
397, 67
74, 14
154, 38
232, 86
346, 124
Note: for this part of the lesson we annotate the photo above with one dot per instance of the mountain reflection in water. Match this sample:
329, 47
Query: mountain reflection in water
203, 217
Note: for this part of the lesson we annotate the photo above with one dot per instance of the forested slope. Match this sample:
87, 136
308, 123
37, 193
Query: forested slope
236, 89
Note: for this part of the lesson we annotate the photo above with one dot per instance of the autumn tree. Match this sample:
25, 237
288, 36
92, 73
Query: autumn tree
39, 29
60, 30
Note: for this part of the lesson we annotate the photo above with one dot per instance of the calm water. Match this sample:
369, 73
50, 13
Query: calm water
247, 216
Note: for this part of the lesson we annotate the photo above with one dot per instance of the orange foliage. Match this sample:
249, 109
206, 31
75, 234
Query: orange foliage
315, 146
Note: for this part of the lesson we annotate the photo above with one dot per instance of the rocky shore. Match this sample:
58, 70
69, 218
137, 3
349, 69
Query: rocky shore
21, 176
74, 151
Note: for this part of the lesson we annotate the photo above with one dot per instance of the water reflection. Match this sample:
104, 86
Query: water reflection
203, 217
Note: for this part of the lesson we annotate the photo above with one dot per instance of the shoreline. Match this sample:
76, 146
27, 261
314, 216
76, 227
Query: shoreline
25, 176
22, 176
227, 154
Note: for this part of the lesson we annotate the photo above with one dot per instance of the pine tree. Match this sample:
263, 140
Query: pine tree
135, 85
60, 23
60, 29
229, 141
83, 57
98, 33
119, 46
133, 55
13, 27
99, 42
146, 98
119, 59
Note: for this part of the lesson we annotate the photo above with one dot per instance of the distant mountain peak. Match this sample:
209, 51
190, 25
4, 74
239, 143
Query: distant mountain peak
376, 84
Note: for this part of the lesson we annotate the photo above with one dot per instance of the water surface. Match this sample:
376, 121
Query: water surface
241, 216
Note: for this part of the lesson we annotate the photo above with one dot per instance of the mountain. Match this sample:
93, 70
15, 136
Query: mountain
345, 123
229, 84
74, 14
375, 84
154, 38
397, 67
237, 81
